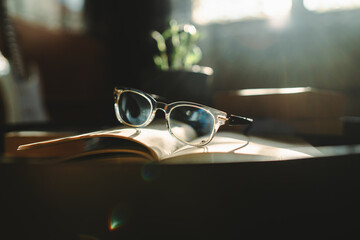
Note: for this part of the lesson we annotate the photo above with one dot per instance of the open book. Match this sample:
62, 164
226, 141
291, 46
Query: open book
155, 143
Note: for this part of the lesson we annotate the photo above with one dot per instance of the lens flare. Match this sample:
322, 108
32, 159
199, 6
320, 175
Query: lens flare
118, 217
115, 224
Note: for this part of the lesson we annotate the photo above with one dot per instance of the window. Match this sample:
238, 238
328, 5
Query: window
49, 13
331, 5
210, 11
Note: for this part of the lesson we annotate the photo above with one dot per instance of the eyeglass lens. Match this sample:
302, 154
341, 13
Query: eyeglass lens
134, 108
191, 124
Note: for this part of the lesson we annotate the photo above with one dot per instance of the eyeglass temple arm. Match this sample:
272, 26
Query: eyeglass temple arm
234, 120
160, 98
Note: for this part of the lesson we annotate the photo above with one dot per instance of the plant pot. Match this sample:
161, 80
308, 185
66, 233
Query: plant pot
194, 85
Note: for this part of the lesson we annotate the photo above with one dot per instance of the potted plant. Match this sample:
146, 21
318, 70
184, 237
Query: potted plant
177, 75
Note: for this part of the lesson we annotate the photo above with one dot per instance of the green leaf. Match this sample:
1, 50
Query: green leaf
193, 57
159, 40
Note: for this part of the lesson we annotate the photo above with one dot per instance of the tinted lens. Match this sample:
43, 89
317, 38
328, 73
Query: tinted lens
191, 124
134, 108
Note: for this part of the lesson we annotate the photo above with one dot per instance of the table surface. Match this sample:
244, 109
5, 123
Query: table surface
105, 201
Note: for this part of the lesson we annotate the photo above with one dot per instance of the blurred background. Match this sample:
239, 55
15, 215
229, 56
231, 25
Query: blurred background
83, 48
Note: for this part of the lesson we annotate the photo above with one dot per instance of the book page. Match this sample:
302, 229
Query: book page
235, 147
157, 138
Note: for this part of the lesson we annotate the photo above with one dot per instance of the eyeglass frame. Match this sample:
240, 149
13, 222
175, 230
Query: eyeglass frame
219, 117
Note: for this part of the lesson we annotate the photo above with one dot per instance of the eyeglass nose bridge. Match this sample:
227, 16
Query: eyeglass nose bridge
161, 106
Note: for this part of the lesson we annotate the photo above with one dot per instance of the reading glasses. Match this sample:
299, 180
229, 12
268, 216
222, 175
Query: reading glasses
191, 123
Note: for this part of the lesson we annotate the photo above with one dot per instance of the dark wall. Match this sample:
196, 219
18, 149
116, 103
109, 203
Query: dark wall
125, 29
